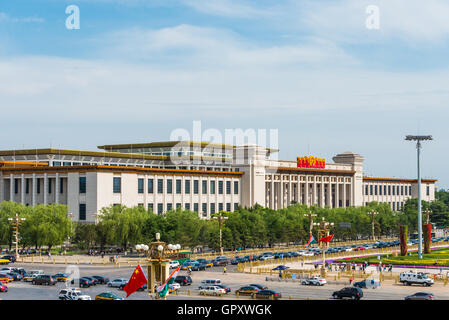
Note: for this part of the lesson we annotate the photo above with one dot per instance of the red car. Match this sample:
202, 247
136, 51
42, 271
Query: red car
3, 288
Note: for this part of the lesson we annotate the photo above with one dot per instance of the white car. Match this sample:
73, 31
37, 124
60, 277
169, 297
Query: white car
174, 264
212, 290
73, 294
266, 258
174, 286
314, 281
117, 283
308, 254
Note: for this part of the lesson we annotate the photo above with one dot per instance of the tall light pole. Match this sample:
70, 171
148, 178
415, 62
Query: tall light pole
220, 219
310, 215
418, 140
428, 212
323, 231
372, 213
16, 222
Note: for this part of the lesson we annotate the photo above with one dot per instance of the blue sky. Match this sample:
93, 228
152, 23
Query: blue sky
136, 70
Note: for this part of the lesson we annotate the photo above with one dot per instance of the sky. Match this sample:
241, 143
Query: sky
319, 72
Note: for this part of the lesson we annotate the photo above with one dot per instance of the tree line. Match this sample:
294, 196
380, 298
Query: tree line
125, 227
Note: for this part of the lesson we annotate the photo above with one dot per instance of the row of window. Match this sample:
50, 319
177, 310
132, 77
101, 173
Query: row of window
38, 185
169, 206
387, 190
177, 187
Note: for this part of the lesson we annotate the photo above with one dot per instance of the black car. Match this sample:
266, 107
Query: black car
10, 258
94, 280
237, 260
267, 294
101, 279
260, 286
184, 280
198, 267
83, 282
20, 271
348, 292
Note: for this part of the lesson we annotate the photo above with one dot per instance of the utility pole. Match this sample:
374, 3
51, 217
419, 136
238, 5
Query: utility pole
418, 140
220, 219
373, 213
323, 231
16, 222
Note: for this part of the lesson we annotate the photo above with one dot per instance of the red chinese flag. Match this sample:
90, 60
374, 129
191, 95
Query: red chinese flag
326, 239
136, 281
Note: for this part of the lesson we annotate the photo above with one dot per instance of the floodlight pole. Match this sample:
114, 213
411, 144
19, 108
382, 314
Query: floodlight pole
418, 140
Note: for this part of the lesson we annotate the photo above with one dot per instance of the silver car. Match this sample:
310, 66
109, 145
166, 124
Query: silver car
117, 283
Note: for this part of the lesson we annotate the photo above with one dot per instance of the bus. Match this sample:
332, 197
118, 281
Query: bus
181, 256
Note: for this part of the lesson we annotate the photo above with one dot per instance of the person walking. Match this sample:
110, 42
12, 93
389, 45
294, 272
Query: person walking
224, 270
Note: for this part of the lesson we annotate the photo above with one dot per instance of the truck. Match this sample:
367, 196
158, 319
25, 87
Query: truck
409, 278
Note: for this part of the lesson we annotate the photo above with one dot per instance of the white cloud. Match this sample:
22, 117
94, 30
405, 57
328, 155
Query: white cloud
6, 18
230, 8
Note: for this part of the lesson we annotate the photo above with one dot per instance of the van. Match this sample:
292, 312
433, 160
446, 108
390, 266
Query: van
36, 272
409, 278
209, 282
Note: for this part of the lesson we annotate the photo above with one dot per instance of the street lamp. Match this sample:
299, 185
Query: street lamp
418, 140
428, 212
373, 213
323, 231
16, 222
220, 219
310, 215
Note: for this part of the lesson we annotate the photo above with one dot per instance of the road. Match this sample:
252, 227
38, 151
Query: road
26, 291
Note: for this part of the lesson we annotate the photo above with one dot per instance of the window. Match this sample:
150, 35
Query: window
389, 190
204, 207
394, 190
61, 185
16, 185
212, 187
212, 208
187, 187
195, 186
204, 187
140, 185
187, 206
366, 190
236, 206
428, 190
371, 190
220, 187
27, 185
140, 205
82, 184
402, 190
195, 207
228, 206
169, 186
178, 205
56, 163
385, 190
394, 209
380, 190
410, 190
82, 213
397, 190
150, 207
178, 186
160, 186
228, 187
117, 186
160, 208
67, 164
49, 185
38, 185
220, 207
236, 187
375, 189
150, 185
169, 206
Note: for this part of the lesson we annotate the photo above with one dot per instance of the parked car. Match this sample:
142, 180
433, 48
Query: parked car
409, 278
29, 277
314, 281
101, 279
348, 292
72, 294
183, 280
117, 283
267, 294
247, 290
225, 287
198, 267
93, 280
212, 290
21, 271
108, 296
3, 288
221, 261
44, 279
174, 264
10, 258
209, 282
15, 276
421, 296
367, 284
84, 283
260, 286
62, 277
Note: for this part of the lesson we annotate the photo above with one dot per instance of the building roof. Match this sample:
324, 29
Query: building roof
20, 164
373, 179
309, 170
119, 169
162, 144
101, 154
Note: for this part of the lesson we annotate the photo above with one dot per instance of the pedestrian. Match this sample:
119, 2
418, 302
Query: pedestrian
49, 255
224, 269
350, 281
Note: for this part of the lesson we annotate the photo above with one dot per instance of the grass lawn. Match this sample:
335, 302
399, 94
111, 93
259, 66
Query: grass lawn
441, 256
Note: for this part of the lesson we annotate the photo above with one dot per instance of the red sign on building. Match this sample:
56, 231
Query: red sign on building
311, 162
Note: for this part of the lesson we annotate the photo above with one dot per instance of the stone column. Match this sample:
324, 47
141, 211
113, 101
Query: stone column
34, 189
11, 188
344, 194
337, 193
45, 191
22, 189
306, 192
57, 188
